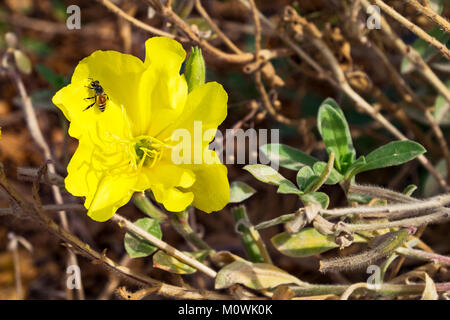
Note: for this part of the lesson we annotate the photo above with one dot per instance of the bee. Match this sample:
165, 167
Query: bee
100, 97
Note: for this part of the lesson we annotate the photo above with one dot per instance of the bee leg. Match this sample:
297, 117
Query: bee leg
89, 98
89, 106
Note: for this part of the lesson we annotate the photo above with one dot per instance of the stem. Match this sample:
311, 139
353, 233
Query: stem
423, 255
129, 226
325, 174
251, 240
146, 206
386, 289
36, 133
180, 222
276, 221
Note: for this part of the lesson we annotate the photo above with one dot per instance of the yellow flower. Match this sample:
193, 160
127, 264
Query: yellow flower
128, 146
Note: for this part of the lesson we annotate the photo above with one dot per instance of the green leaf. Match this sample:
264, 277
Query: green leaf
268, 175
335, 177
356, 165
334, 104
336, 135
288, 188
306, 242
303, 175
135, 245
253, 275
22, 61
240, 191
392, 154
316, 197
287, 157
162, 260
409, 190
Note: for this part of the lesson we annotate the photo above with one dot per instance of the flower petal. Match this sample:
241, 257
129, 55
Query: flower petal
118, 74
173, 199
166, 174
113, 192
82, 180
211, 188
163, 91
206, 103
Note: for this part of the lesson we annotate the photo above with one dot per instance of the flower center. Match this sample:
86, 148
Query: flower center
148, 151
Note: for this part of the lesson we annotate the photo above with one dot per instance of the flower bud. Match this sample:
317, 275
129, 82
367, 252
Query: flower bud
195, 69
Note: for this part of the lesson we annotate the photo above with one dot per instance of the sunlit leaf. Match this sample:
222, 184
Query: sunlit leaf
162, 260
317, 198
240, 191
333, 128
135, 245
304, 243
392, 154
430, 292
253, 275
287, 157
268, 175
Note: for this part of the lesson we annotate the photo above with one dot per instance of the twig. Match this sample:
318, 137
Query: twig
114, 281
36, 133
345, 86
116, 10
423, 255
385, 289
36, 212
13, 246
127, 225
414, 28
213, 25
430, 14
180, 222
415, 58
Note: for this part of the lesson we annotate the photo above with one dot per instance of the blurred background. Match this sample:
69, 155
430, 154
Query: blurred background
54, 51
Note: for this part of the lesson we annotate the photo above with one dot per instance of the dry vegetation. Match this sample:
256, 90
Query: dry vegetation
278, 60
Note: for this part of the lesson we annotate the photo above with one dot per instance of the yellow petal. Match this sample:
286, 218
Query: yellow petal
113, 192
211, 188
82, 180
164, 53
162, 91
167, 175
173, 199
206, 103
118, 75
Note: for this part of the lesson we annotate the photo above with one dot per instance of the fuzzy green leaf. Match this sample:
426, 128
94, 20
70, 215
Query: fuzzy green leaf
268, 175
135, 245
392, 154
163, 261
240, 191
336, 135
306, 242
287, 157
253, 275
334, 177
316, 197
